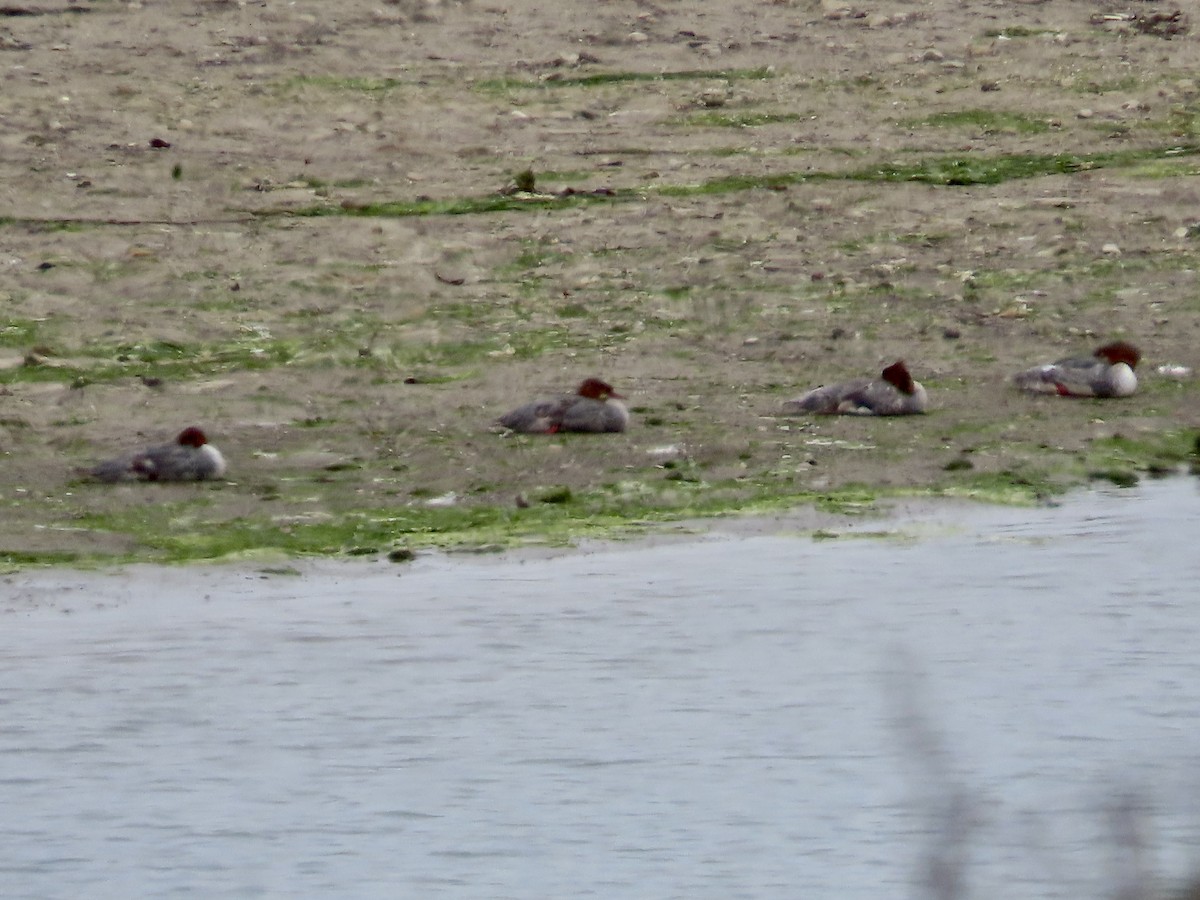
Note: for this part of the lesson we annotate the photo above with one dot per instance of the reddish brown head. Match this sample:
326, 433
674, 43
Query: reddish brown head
595, 389
897, 376
1120, 352
191, 437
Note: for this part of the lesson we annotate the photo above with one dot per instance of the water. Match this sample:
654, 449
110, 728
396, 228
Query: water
761, 717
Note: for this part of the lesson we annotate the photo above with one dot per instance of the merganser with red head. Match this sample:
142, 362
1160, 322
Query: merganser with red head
894, 393
1106, 373
190, 457
594, 408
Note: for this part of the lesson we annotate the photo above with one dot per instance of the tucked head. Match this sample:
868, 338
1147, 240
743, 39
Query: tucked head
898, 377
595, 389
191, 437
1120, 352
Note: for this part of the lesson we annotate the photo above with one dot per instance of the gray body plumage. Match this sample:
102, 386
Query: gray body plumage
569, 413
863, 396
188, 458
1079, 376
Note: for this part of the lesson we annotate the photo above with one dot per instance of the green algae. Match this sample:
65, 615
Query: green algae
186, 530
986, 121
162, 360
947, 171
737, 120
602, 79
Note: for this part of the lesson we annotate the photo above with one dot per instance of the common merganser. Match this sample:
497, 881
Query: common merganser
1106, 373
894, 393
190, 457
594, 407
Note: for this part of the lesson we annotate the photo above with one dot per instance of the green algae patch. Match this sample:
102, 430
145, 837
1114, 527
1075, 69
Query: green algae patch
1117, 460
381, 531
1122, 460
1119, 477
947, 170
984, 121
463, 206
737, 120
182, 531
980, 169
21, 332
1005, 488
601, 79
157, 359
177, 529
15, 560
1012, 32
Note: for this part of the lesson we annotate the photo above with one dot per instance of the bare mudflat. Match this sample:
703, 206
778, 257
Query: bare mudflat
344, 237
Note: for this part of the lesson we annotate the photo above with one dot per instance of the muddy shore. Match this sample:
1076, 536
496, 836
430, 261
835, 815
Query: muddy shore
301, 227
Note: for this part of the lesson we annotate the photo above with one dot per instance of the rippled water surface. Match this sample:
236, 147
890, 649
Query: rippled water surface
760, 717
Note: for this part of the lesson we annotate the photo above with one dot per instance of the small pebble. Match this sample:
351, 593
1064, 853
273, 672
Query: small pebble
1175, 371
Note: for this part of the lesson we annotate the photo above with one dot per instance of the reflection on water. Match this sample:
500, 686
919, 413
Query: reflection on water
754, 717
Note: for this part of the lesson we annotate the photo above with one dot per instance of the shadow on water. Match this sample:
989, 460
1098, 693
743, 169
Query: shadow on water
969, 702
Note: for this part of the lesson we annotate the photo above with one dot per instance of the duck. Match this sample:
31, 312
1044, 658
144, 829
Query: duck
893, 393
190, 457
1108, 372
594, 408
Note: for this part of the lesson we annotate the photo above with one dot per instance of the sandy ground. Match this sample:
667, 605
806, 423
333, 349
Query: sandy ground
356, 360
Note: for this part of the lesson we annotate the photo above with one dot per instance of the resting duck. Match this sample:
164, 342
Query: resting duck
190, 457
1106, 373
594, 407
894, 393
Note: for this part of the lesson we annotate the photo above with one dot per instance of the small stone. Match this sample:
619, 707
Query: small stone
667, 453
1174, 371
1110, 250
835, 9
